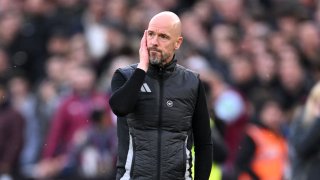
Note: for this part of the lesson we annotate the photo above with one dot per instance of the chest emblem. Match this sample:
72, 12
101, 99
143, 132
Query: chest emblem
145, 88
169, 103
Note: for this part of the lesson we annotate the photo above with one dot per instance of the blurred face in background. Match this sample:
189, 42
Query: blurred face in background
272, 116
37, 7
287, 25
18, 87
47, 91
136, 19
241, 70
222, 38
308, 37
290, 71
82, 79
55, 69
309, 44
58, 45
265, 67
276, 42
193, 30
116, 10
78, 49
12, 22
231, 10
97, 9
202, 9
116, 38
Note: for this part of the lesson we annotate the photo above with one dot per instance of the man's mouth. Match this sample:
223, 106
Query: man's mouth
154, 50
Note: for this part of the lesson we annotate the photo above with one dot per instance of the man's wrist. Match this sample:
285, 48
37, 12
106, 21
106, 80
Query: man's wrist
143, 66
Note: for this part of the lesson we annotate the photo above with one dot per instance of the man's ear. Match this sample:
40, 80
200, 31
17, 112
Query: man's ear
178, 43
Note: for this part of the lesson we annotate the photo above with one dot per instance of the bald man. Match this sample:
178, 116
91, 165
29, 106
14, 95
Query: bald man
161, 109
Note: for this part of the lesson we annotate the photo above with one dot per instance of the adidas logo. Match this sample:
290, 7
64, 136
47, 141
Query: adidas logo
145, 88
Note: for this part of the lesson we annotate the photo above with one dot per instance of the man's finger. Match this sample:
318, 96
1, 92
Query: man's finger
143, 40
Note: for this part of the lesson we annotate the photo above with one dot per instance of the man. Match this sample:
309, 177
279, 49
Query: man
12, 127
161, 109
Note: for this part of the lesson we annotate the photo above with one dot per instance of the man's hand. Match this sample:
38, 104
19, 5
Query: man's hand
143, 53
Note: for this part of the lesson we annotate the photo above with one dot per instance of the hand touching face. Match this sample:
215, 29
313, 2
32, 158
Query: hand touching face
143, 53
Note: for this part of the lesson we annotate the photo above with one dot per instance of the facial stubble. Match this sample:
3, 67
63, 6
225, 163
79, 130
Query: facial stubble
156, 59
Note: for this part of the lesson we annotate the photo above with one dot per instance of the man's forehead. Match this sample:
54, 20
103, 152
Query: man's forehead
160, 23
165, 22
160, 28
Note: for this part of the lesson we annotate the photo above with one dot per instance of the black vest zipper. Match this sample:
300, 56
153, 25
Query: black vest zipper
159, 122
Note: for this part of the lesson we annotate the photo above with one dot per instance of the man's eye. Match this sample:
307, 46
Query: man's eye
164, 36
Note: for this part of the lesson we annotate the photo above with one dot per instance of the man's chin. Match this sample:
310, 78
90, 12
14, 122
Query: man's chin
155, 61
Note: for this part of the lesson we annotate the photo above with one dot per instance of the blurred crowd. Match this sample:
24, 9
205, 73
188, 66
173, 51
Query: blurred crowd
258, 59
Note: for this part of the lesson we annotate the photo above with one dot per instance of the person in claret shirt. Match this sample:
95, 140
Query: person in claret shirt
73, 114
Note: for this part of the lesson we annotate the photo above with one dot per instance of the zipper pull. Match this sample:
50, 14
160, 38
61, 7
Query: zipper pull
161, 71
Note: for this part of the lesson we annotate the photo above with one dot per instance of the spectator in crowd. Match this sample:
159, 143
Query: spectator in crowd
93, 150
263, 151
72, 114
231, 116
56, 73
58, 43
265, 66
94, 31
24, 101
309, 45
11, 137
12, 20
295, 82
78, 50
47, 103
224, 46
242, 74
304, 138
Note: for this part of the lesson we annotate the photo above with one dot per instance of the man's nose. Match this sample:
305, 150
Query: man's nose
154, 41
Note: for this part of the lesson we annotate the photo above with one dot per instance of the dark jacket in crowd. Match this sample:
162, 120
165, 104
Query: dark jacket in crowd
305, 149
11, 139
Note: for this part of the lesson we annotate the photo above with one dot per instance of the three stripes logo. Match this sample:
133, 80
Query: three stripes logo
145, 88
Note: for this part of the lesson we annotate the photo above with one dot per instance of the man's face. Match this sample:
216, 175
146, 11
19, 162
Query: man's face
162, 41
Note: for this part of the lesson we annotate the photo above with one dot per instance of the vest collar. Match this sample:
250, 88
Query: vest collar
166, 70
